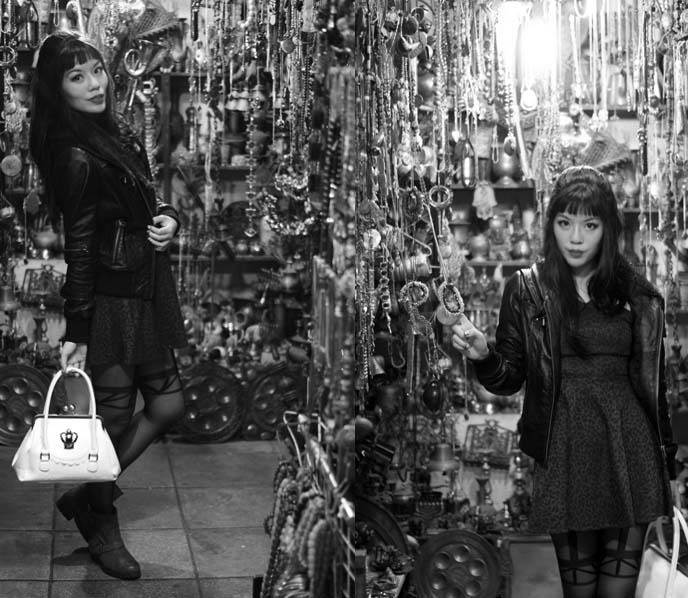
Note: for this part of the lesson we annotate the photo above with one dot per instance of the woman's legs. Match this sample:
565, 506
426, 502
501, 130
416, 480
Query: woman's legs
163, 405
579, 560
621, 554
115, 392
600, 563
116, 387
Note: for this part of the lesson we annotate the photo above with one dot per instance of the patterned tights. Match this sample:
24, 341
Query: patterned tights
116, 388
600, 563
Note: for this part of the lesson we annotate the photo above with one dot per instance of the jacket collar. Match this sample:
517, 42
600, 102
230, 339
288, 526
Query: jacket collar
61, 138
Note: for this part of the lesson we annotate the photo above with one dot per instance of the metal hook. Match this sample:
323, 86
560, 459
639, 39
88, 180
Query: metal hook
137, 59
291, 434
425, 246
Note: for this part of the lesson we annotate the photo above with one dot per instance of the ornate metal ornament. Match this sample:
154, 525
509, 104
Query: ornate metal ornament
22, 395
457, 563
215, 404
275, 391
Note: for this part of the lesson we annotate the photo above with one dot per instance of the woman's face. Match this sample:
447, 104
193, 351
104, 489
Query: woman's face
579, 239
84, 87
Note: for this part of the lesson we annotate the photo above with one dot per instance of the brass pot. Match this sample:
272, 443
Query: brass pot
479, 246
45, 239
506, 171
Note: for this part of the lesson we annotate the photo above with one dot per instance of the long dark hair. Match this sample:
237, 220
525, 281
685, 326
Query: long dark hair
52, 119
585, 190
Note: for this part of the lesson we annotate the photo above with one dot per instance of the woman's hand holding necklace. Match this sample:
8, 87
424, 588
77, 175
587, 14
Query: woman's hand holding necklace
468, 340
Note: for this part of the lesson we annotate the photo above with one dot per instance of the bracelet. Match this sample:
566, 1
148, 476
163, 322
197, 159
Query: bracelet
450, 298
8, 56
414, 293
444, 197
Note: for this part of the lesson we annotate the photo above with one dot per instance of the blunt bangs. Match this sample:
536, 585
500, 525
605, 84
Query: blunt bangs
74, 53
585, 193
61, 52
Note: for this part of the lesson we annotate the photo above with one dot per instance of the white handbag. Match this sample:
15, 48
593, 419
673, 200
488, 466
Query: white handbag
660, 575
67, 448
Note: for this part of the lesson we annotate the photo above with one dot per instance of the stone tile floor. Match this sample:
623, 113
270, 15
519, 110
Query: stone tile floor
191, 514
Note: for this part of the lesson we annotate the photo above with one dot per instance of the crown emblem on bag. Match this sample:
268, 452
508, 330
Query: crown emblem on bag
68, 438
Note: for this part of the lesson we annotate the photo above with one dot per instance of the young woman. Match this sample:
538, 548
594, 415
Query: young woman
121, 310
585, 333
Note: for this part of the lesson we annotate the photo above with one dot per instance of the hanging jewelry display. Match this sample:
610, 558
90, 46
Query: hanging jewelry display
149, 120
251, 210
14, 116
320, 553
282, 532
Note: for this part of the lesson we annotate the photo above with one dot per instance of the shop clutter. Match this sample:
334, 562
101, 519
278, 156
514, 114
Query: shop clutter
226, 116
248, 114
352, 177
475, 108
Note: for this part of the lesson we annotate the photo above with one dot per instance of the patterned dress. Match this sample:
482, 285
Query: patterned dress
135, 331
605, 467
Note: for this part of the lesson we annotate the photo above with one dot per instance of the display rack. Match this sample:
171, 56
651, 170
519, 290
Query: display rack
314, 458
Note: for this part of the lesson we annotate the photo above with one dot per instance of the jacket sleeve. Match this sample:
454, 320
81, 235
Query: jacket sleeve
77, 199
503, 371
167, 209
161, 208
669, 447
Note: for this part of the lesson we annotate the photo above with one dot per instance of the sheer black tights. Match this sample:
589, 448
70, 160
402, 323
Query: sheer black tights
116, 388
600, 563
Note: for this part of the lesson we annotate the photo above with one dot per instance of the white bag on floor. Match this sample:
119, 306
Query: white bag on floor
67, 448
660, 576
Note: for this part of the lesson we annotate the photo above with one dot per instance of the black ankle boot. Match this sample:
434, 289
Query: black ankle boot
108, 550
73, 504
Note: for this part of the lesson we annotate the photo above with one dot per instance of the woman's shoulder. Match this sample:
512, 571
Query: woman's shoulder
523, 287
638, 284
71, 156
528, 277
76, 154
74, 167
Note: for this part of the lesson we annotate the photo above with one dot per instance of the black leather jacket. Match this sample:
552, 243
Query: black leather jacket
528, 349
105, 213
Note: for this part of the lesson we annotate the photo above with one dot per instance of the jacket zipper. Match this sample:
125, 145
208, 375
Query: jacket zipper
656, 398
117, 243
554, 387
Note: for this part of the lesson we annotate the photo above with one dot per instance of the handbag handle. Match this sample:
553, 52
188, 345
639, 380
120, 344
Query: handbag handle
679, 520
45, 449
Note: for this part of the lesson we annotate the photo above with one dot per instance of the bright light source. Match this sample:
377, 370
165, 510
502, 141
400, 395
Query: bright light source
510, 17
539, 48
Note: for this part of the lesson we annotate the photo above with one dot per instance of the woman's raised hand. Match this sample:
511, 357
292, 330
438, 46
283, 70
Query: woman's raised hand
468, 340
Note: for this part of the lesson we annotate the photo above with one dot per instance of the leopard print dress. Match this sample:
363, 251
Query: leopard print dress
604, 468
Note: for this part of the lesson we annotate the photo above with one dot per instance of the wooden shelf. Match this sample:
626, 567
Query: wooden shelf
637, 211
225, 171
491, 263
258, 259
517, 187
622, 114
248, 260
232, 169
172, 74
